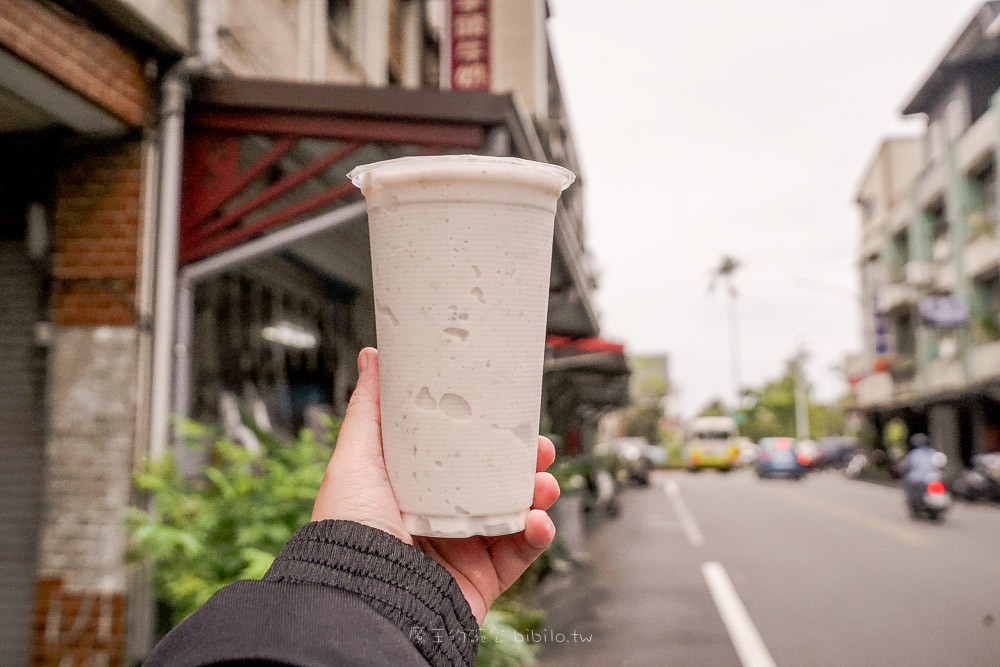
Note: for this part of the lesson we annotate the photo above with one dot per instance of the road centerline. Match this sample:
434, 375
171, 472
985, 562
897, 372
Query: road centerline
885, 526
688, 524
742, 632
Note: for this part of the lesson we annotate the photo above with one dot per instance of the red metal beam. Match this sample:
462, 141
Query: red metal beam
359, 129
196, 250
225, 190
271, 193
209, 159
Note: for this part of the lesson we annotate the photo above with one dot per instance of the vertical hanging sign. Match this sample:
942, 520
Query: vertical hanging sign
470, 44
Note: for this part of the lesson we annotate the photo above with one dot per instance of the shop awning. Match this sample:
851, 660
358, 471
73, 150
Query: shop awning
594, 355
264, 156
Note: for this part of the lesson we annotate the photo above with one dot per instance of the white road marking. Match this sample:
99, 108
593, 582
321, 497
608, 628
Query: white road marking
746, 640
691, 529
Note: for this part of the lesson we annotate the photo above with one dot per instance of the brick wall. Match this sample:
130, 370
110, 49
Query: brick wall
88, 460
77, 628
96, 236
75, 54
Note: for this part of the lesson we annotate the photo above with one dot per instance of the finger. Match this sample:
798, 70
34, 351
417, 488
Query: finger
546, 491
546, 453
361, 432
539, 531
512, 554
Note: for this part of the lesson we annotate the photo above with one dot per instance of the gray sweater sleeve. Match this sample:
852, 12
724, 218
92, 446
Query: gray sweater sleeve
339, 593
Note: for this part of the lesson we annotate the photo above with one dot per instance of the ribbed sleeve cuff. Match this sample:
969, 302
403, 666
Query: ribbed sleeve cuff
405, 586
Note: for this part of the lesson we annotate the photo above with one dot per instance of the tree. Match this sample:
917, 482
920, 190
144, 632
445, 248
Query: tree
714, 409
644, 421
770, 411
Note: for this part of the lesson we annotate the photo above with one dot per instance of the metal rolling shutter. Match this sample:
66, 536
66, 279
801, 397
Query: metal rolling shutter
22, 374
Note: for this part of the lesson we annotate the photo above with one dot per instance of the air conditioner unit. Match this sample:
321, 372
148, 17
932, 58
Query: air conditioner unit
920, 274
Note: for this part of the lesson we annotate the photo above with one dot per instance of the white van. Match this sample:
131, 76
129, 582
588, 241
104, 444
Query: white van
711, 442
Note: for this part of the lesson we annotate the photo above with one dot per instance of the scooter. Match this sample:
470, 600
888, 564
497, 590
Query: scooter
926, 495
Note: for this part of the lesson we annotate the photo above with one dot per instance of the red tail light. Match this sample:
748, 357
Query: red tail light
935, 488
802, 459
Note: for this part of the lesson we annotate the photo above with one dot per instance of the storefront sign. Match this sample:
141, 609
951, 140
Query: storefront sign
881, 332
944, 311
470, 44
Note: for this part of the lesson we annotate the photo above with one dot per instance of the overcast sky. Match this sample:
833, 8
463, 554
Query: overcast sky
737, 127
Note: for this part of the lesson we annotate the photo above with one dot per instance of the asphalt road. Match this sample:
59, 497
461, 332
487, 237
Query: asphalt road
825, 571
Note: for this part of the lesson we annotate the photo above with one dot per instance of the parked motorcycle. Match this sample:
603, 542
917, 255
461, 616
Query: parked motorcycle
981, 481
856, 465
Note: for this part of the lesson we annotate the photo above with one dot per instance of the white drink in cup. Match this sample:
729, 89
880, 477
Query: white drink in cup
461, 249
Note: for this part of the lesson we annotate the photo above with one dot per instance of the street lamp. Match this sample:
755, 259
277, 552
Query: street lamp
801, 395
725, 273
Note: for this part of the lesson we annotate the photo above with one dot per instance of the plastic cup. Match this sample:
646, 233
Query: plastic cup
461, 249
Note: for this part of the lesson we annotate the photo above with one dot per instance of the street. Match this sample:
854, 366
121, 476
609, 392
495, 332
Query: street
825, 571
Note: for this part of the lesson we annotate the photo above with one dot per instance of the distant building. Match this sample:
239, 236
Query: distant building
930, 256
161, 167
650, 379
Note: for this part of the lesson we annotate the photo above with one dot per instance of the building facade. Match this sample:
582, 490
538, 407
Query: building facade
168, 244
930, 256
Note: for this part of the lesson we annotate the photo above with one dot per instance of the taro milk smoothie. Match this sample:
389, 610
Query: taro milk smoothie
461, 250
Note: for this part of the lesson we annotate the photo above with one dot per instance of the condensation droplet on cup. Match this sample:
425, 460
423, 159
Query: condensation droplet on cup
455, 407
478, 293
424, 400
387, 311
522, 432
461, 334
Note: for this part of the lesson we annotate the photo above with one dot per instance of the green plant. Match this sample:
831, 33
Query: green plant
227, 523
502, 644
980, 225
987, 327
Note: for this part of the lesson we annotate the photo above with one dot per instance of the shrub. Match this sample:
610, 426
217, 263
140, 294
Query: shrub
227, 523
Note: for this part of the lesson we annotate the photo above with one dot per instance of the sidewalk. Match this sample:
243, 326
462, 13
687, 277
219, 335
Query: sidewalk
633, 601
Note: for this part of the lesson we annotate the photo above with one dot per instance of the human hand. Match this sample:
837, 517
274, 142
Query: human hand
356, 488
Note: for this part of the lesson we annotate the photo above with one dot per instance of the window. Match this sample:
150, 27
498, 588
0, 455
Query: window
905, 338
341, 19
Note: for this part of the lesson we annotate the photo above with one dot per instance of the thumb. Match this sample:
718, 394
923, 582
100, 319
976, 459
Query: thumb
361, 431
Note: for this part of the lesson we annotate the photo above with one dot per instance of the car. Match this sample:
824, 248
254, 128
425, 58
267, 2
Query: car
807, 453
778, 458
835, 451
748, 452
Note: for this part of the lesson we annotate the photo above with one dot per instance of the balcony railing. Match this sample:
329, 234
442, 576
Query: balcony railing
945, 277
984, 361
982, 254
931, 183
943, 375
874, 389
896, 295
977, 141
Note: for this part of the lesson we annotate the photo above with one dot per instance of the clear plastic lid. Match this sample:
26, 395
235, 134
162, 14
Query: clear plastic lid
430, 161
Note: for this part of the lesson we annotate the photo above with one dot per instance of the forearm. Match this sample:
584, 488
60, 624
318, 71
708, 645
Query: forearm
339, 593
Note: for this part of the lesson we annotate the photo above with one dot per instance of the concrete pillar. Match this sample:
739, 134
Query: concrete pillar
92, 406
943, 429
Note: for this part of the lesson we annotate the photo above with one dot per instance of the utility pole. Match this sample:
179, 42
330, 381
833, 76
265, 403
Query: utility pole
801, 396
725, 272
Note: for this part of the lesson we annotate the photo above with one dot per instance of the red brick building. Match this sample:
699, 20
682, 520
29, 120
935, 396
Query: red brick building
130, 289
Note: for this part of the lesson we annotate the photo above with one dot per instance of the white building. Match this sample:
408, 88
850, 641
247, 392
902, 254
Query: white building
930, 256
